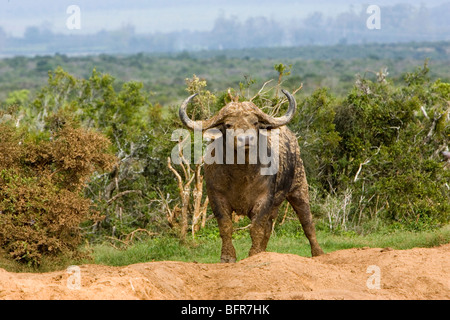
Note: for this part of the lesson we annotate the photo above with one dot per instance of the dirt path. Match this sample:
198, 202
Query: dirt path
420, 273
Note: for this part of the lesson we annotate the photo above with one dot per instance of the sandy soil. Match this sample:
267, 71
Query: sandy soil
420, 273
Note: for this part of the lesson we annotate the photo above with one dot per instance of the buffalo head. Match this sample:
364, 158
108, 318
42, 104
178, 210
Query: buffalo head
244, 119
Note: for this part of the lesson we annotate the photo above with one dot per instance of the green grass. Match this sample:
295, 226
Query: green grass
206, 248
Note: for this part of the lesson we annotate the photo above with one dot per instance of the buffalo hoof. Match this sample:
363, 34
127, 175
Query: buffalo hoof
317, 252
227, 259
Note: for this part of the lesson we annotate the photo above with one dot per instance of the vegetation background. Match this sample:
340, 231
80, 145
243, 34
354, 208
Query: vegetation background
84, 144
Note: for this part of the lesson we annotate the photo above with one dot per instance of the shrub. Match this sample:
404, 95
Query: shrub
381, 144
41, 184
390, 152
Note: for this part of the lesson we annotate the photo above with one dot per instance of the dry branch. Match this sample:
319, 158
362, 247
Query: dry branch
122, 194
129, 237
184, 187
260, 90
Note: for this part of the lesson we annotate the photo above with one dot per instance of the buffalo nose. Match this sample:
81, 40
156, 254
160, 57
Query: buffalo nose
246, 139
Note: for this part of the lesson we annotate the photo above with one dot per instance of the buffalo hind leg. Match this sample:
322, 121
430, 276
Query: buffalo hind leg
300, 203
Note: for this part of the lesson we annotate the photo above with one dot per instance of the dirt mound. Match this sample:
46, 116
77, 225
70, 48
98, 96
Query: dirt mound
368, 273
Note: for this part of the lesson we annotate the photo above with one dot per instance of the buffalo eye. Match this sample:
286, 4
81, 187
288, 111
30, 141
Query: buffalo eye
228, 125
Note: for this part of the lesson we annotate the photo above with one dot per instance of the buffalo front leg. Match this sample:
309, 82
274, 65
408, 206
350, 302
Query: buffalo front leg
226, 231
300, 202
223, 217
261, 230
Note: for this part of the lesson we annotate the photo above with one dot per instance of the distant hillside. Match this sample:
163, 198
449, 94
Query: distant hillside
400, 23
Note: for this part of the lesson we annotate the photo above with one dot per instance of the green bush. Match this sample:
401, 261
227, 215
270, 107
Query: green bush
41, 184
383, 143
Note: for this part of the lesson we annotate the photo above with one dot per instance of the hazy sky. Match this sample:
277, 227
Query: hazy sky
165, 15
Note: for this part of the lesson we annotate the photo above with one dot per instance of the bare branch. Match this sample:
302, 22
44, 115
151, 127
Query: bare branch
424, 112
360, 168
364, 163
432, 128
298, 89
166, 204
262, 88
122, 194
179, 179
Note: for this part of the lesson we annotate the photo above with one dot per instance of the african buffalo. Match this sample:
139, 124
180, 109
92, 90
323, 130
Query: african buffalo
243, 188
